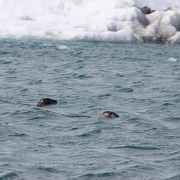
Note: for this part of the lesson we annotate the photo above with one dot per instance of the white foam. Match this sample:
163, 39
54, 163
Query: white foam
97, 20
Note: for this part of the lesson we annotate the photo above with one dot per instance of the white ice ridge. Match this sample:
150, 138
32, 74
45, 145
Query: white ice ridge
93, 20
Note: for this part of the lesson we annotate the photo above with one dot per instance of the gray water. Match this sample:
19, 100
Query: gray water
140, 82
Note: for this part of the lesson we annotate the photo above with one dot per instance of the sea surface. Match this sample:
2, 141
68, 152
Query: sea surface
138, 81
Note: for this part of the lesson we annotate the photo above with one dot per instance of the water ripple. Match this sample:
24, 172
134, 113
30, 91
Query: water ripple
48, 169
175, 177
99, 175
135, 147
8, 175
90, 133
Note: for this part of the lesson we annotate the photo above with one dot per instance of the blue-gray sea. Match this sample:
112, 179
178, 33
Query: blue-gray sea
140, 82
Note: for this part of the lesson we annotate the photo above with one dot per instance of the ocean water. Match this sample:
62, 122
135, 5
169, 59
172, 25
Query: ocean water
139, 81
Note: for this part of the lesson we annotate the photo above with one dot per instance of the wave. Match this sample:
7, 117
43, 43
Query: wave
135, 147
99, 175
175, 177
90, 133
91, 20
48, 169
8, 175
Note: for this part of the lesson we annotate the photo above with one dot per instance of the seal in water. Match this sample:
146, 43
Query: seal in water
108, 115
46, 102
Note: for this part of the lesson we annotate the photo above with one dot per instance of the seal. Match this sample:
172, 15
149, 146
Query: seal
46, 102
146, 10
108, 115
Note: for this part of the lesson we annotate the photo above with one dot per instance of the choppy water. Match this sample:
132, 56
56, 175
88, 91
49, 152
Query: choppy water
140, 82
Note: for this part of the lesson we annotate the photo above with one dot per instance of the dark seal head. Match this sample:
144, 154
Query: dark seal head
46, 102
108, 115
146, 10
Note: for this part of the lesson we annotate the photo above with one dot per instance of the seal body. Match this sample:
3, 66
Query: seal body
46, 102
108, 115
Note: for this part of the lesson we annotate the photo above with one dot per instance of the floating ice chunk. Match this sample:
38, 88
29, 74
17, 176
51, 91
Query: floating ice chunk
173, 7
96, 20
175, 38
119, 36
163, 25
172, 59
62, 47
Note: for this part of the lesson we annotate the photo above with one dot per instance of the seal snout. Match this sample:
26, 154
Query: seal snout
46, 102
108, 115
